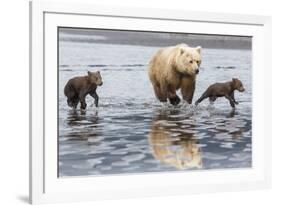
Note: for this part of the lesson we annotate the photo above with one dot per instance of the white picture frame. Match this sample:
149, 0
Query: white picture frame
45, 186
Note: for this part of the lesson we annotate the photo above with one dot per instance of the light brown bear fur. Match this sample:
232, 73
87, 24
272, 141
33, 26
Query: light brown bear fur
174, 68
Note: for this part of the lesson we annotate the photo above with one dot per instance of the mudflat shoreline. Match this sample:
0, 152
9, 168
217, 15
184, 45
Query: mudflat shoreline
153, 39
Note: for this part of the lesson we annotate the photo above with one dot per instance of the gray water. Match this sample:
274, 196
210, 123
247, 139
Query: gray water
131, 132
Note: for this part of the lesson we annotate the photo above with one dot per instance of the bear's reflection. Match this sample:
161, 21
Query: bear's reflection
173, 144
75, 117
82, 126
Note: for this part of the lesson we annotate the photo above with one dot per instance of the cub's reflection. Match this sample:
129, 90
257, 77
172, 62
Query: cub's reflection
75, 118
174, 143
82, 126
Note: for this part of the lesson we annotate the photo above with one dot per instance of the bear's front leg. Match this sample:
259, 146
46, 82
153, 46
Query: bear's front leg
75, 103
232, 96
187, 88
96, 97
163, 92
175, 101
231, 101
82, 101
172, 95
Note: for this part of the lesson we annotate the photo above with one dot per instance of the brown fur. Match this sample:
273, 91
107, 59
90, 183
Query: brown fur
223, 90
78, 88
174, 68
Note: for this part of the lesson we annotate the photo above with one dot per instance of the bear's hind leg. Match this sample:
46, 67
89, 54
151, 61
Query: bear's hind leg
69, 102
75, 102
212, 99
204, 96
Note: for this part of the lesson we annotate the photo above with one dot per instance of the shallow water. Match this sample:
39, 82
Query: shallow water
131, 132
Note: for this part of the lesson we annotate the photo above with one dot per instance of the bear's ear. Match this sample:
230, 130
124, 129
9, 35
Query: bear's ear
181, 51
235, 80
198, 48
89, 73
98, 72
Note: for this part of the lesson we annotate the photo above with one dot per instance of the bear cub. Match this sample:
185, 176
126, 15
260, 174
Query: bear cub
222, 90
77, 88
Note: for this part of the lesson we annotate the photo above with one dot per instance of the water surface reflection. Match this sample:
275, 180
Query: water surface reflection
173, 145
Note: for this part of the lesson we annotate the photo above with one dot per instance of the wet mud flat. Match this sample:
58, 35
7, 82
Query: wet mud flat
131, 132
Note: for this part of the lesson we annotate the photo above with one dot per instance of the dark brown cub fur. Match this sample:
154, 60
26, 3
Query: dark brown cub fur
78, 88
223, 90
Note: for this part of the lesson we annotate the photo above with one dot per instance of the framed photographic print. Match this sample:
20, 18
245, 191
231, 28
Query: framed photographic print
129, 102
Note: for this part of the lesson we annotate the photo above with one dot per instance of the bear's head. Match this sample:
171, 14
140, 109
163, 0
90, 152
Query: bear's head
238, 85
95, 77
186, 60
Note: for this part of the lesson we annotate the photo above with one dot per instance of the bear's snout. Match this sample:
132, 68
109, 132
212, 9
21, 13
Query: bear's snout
197, 71
242, 89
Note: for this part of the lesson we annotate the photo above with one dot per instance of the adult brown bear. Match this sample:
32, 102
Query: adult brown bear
77, 88
174, 68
